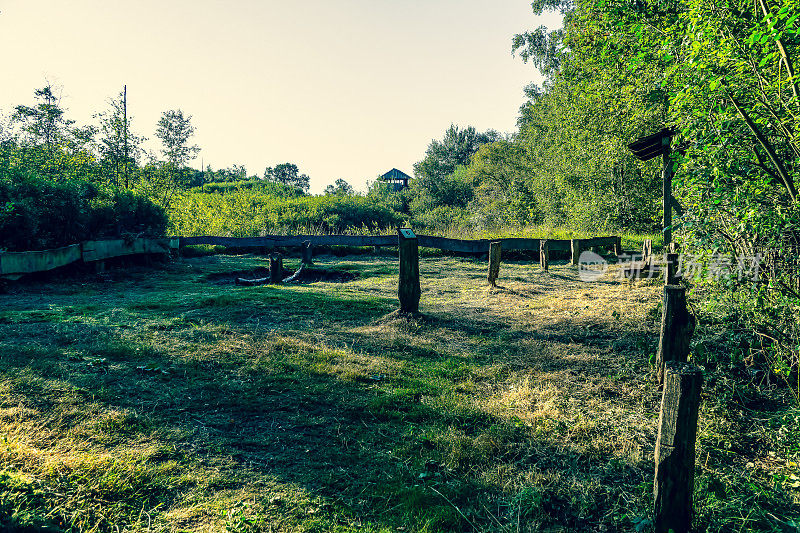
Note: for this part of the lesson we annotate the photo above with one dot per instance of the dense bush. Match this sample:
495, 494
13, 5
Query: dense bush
36, 213
267, 187
251, 212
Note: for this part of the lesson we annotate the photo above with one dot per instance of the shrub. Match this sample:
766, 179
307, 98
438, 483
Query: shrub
253, 212
36, 213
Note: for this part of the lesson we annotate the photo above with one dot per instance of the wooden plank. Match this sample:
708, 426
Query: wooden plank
99, 250
277, 241
12, 263
472, 246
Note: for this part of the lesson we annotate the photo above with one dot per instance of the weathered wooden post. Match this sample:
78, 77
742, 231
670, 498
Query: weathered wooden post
575, 246
495, 253
618, 247
671, 269
647, 250
675, 448
275, 268
666, 176
408, 291
544, 254
677, 327
308, 253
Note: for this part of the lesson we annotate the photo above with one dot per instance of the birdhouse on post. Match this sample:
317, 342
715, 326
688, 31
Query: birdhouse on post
646, 148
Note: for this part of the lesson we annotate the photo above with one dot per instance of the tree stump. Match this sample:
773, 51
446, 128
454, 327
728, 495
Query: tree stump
544, 254
308, 253
675, 448
408, 290
677, 327
275, 268
495, 253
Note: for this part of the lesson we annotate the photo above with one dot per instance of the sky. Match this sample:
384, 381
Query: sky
346, 89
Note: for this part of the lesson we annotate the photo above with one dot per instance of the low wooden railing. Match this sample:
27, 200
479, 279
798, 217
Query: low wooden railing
15, 264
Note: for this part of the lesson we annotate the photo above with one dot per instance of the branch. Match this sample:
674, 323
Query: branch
765, 144
786, 60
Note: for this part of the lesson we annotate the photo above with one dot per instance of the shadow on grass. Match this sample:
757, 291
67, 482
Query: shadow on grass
360, 452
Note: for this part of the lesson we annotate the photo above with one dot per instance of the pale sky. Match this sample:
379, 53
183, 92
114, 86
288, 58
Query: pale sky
346, 89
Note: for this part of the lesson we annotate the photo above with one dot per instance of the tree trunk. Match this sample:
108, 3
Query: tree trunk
275, 268
544, 254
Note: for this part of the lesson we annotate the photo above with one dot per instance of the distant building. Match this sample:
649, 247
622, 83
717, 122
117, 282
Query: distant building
395, 179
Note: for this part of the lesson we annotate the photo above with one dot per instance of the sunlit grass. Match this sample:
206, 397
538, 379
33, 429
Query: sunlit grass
171, 399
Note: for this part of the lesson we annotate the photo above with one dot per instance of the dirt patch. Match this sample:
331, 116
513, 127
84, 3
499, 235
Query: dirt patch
308, 275
224, 278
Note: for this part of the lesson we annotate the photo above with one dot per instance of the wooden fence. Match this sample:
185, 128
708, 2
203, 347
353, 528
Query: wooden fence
14, 264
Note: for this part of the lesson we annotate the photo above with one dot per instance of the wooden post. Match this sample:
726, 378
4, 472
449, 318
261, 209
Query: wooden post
376, 250
408, 290
544, 254
275, 268
575, 246
675, 448
647, 250
618, 247
495, 253
677, 327
671, 269
666, 175
308, 253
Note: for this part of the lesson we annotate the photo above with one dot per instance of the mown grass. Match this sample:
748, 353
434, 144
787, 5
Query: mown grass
171, 400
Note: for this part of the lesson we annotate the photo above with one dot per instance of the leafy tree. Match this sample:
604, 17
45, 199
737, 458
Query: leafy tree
174, 130
43, 124
46, 141
163, 180
288, 174
340, 187
120, 149
455, 148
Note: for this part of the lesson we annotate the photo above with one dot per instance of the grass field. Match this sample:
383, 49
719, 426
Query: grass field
170, 399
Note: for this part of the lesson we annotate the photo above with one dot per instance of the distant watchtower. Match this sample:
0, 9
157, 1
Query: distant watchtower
396, 180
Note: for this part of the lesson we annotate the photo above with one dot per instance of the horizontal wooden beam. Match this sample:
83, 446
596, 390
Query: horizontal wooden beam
18, 263
99, 250
473, 246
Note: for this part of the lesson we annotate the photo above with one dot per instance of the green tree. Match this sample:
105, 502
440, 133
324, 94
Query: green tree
119, 148
455, 148
340, 187
174, 129
288, 174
